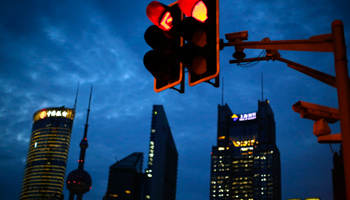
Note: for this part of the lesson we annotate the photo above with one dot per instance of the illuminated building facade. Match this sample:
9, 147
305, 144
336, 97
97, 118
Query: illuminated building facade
126, 178
46, 162
161, 173
245, 164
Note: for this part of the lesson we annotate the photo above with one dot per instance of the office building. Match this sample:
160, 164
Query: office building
161, 173
126, 179
245, 164
46, 162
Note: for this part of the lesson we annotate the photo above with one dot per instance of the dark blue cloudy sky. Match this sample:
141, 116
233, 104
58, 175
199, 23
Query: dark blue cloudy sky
47, 47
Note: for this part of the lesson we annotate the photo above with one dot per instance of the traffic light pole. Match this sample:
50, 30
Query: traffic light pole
342, 77
333, 42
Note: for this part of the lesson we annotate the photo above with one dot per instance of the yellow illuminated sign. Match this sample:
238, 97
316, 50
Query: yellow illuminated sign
243, 143
54, 112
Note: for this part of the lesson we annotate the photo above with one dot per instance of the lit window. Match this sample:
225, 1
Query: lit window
127, 191
149, 175
221, 137
153, 130
155, 112
148, 197
221, 148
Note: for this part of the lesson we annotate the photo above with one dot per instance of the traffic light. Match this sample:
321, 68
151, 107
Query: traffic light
200, 55
163, 37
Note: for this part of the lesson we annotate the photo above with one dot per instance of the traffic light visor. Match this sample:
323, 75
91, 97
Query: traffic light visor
194, 8
159, 15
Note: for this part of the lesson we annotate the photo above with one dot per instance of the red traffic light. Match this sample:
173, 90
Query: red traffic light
194, 8
200, 55
159, 15
162, 62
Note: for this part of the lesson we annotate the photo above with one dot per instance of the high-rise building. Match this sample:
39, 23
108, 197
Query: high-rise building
126, 179
245, 164
46, 162
161, 173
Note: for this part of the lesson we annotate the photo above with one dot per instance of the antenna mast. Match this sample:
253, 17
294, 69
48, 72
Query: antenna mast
76, 97
87, 116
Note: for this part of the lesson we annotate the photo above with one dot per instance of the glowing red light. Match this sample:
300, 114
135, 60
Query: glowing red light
159, 16
200, 11
78, 160
90, 188
68, 181
166, 22
73, 181
194, 8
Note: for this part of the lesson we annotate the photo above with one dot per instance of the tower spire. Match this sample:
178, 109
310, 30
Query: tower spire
87, 116
79, 181
84, 143
76, 97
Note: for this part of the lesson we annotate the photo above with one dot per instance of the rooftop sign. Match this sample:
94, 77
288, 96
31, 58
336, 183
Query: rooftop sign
243, 117
53, 112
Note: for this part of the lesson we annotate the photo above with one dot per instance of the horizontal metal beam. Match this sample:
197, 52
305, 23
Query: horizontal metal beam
314, 44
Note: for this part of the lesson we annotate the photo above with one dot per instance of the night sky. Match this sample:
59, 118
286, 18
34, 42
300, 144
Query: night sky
47, 47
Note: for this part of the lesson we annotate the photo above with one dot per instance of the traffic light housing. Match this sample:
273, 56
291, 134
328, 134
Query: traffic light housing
200, 55
163, 37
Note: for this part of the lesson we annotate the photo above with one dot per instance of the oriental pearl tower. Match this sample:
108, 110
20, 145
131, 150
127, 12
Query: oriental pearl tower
79, 181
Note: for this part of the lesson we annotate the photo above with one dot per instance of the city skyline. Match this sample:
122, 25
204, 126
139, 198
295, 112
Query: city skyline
48, 47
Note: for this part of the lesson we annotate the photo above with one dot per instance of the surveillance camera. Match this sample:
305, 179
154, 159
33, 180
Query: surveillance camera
232, 37
316, 112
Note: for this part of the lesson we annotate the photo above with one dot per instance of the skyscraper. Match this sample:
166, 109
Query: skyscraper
161, 173
46, 162
245, 164
126, 179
